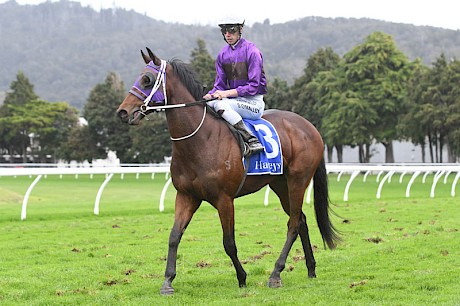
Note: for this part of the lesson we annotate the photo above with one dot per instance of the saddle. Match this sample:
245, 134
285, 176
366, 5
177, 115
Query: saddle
268, 161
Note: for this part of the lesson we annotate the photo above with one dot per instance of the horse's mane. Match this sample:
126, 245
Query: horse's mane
188, 77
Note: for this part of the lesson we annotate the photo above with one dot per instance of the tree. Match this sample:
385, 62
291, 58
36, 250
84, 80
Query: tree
14, 138
345, 116
278, 95
305, 101
414, 123
21, 91
377, 72
440, 102
39, 126
453, 119
151, 140
203, 64
63, 118
78, 146
105, 129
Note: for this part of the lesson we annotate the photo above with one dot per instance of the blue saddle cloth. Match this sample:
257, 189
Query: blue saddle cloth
269, 161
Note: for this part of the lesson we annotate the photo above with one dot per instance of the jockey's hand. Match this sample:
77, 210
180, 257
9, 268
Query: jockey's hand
219, 94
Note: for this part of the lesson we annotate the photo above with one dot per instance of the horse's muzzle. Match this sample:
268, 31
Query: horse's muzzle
123, 115
132, 119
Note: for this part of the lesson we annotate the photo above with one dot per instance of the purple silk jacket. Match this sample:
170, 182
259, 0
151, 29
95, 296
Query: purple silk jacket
240, 68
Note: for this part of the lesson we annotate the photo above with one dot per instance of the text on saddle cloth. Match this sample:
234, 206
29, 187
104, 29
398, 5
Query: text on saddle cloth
269, 161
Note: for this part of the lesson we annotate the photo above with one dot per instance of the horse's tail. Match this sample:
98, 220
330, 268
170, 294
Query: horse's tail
321, 193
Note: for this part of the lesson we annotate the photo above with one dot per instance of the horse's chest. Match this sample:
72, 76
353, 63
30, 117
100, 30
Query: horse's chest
203, 179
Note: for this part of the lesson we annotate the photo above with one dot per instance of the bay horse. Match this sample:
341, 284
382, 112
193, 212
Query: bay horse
207, 164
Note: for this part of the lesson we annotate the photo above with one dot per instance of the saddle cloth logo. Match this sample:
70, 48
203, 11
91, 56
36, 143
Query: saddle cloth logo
269, 161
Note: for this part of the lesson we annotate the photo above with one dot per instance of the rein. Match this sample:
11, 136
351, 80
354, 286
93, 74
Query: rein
145, 108
194, 132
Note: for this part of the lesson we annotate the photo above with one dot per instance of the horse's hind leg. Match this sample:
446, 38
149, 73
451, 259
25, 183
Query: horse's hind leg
280, 188
305, 238
185, 208
227, 219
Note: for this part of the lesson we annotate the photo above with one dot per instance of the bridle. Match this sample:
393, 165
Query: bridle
159, 99
147, 93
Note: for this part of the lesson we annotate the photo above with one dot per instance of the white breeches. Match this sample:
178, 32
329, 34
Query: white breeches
235, 109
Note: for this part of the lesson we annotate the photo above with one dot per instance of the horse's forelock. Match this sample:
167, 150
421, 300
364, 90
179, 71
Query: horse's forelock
188, 77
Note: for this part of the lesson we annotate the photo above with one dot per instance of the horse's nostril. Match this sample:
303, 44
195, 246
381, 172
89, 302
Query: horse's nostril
123, 115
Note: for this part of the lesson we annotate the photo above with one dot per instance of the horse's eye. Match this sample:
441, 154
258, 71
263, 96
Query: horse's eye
147, 81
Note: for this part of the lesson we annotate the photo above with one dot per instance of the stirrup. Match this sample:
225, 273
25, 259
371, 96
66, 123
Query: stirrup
256, 147
252, 148
246, 150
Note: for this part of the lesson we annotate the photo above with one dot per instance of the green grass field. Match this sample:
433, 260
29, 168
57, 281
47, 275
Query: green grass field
395, 250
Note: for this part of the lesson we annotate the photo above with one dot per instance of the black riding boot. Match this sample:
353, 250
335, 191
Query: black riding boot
252, 142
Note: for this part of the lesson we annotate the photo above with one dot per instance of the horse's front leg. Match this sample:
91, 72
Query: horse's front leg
186, 206
227, 219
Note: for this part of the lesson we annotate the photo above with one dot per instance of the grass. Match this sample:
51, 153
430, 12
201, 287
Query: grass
396, 250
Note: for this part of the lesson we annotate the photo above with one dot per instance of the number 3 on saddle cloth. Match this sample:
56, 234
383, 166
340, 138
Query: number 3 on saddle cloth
270, 160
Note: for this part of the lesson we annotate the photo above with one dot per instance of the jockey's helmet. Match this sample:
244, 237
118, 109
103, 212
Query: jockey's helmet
231, 21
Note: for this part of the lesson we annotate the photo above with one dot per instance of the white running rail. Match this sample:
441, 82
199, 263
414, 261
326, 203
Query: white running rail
387, 170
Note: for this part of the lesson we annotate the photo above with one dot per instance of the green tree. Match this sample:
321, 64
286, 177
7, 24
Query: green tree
203, 64
304, 91
278, 95
14, 130
13, 138
63, 118
440, 102
453, 118
414, 124
151, 140
345, 116
41, 125
78, 146
105, 129
21, 91
377, 72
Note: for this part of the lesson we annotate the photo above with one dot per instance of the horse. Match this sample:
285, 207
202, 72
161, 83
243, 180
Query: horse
207, 165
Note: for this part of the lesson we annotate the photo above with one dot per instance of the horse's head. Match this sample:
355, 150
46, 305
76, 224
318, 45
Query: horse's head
148, 90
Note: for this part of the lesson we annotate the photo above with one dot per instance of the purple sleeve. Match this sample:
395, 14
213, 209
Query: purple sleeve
221, 78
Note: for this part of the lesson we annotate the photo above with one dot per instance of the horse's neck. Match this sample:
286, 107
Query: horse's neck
191, 128
187, 122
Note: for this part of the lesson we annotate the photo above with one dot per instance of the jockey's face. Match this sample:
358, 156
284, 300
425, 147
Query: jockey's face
231, 34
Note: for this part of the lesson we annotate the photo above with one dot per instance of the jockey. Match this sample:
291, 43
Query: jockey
240, 82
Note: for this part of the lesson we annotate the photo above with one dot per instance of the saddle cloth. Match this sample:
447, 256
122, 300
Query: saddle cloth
269, 161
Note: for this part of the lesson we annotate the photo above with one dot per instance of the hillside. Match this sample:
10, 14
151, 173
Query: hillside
65, 49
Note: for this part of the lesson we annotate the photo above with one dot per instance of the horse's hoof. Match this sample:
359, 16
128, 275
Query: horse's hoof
242, 285
167, 291
274, 283
312, 275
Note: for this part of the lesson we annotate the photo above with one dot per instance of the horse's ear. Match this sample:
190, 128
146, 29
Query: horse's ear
145, 57
153, 57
